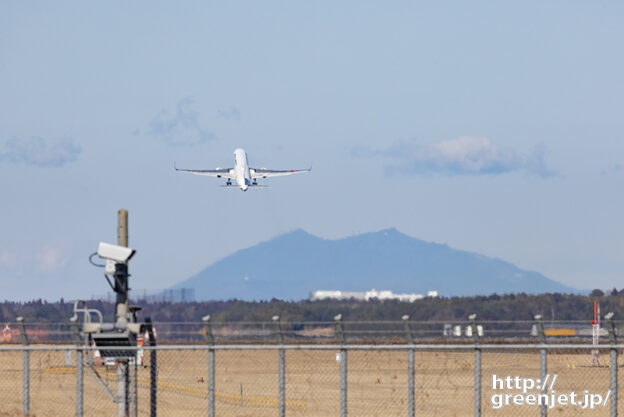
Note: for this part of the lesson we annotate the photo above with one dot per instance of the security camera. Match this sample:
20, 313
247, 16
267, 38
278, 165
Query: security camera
114, 255
117, 254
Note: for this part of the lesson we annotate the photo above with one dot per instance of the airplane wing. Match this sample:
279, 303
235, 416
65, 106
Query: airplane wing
266, 173
219, 172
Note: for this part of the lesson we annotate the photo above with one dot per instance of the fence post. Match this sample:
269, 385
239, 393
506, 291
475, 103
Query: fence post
410, 365
343, 366
282, 367
614, 364
26, 369
153, 367
211, 365
477, 380
79, 363
539, 329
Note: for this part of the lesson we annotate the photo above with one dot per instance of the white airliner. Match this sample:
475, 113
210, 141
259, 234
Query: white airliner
244, 176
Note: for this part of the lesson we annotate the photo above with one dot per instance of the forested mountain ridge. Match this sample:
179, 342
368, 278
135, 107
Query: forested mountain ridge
292, 265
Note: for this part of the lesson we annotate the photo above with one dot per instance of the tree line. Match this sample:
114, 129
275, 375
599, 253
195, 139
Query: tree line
493, 307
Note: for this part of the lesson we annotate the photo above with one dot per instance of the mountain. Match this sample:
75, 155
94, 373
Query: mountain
292, 265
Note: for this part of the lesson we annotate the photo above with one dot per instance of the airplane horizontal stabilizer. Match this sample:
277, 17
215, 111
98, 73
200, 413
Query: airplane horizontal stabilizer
250, 186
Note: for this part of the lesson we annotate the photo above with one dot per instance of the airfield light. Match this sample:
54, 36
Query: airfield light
474, 328
539, 328
278, 329
611, 327
339, 332
75, 330
23, 335
408, 329
208, 330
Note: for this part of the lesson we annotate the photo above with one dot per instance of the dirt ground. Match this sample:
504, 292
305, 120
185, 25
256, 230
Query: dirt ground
247, 383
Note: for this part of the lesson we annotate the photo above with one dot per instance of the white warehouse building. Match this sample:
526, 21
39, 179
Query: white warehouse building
368, 295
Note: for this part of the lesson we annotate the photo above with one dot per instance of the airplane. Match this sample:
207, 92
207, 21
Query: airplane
244, 176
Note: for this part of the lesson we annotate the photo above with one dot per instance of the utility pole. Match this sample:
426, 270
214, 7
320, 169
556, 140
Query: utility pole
121, 316
121, 283
125, 328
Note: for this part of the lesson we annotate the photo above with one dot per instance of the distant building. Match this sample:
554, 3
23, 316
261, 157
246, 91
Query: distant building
451, 330
367, 296
326, 295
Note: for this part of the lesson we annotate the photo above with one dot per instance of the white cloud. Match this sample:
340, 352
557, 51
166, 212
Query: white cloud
465, 155
462, 156
44, 259
50, 259
7, 259
39, 151
181, 128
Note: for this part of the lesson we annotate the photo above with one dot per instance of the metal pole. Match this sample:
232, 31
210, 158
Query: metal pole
127, 387
211, 382
282, 367
343, 382
122, 293
410, 383
121, 284
122, 393
26, 369
343, 367
539, 328
614, 364
410, 366
122, 227
282, 383
153, 367
614, 382
543, 372
477, 393
79, 381
477, 375
135, 377
79, 363
211, 366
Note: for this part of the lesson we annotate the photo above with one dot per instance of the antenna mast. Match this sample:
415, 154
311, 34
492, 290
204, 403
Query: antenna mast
595, 353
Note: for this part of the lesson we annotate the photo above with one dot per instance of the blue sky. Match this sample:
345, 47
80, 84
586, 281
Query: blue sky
493, 127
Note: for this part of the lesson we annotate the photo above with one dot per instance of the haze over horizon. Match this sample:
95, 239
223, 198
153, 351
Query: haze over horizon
493, 128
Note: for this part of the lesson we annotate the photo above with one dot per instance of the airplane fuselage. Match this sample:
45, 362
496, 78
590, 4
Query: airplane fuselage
241, 169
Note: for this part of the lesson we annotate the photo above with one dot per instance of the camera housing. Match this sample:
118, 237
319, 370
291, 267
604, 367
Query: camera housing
114, 255
117, 254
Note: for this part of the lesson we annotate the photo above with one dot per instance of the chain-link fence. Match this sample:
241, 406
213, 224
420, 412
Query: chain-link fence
312, 380
388, 331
